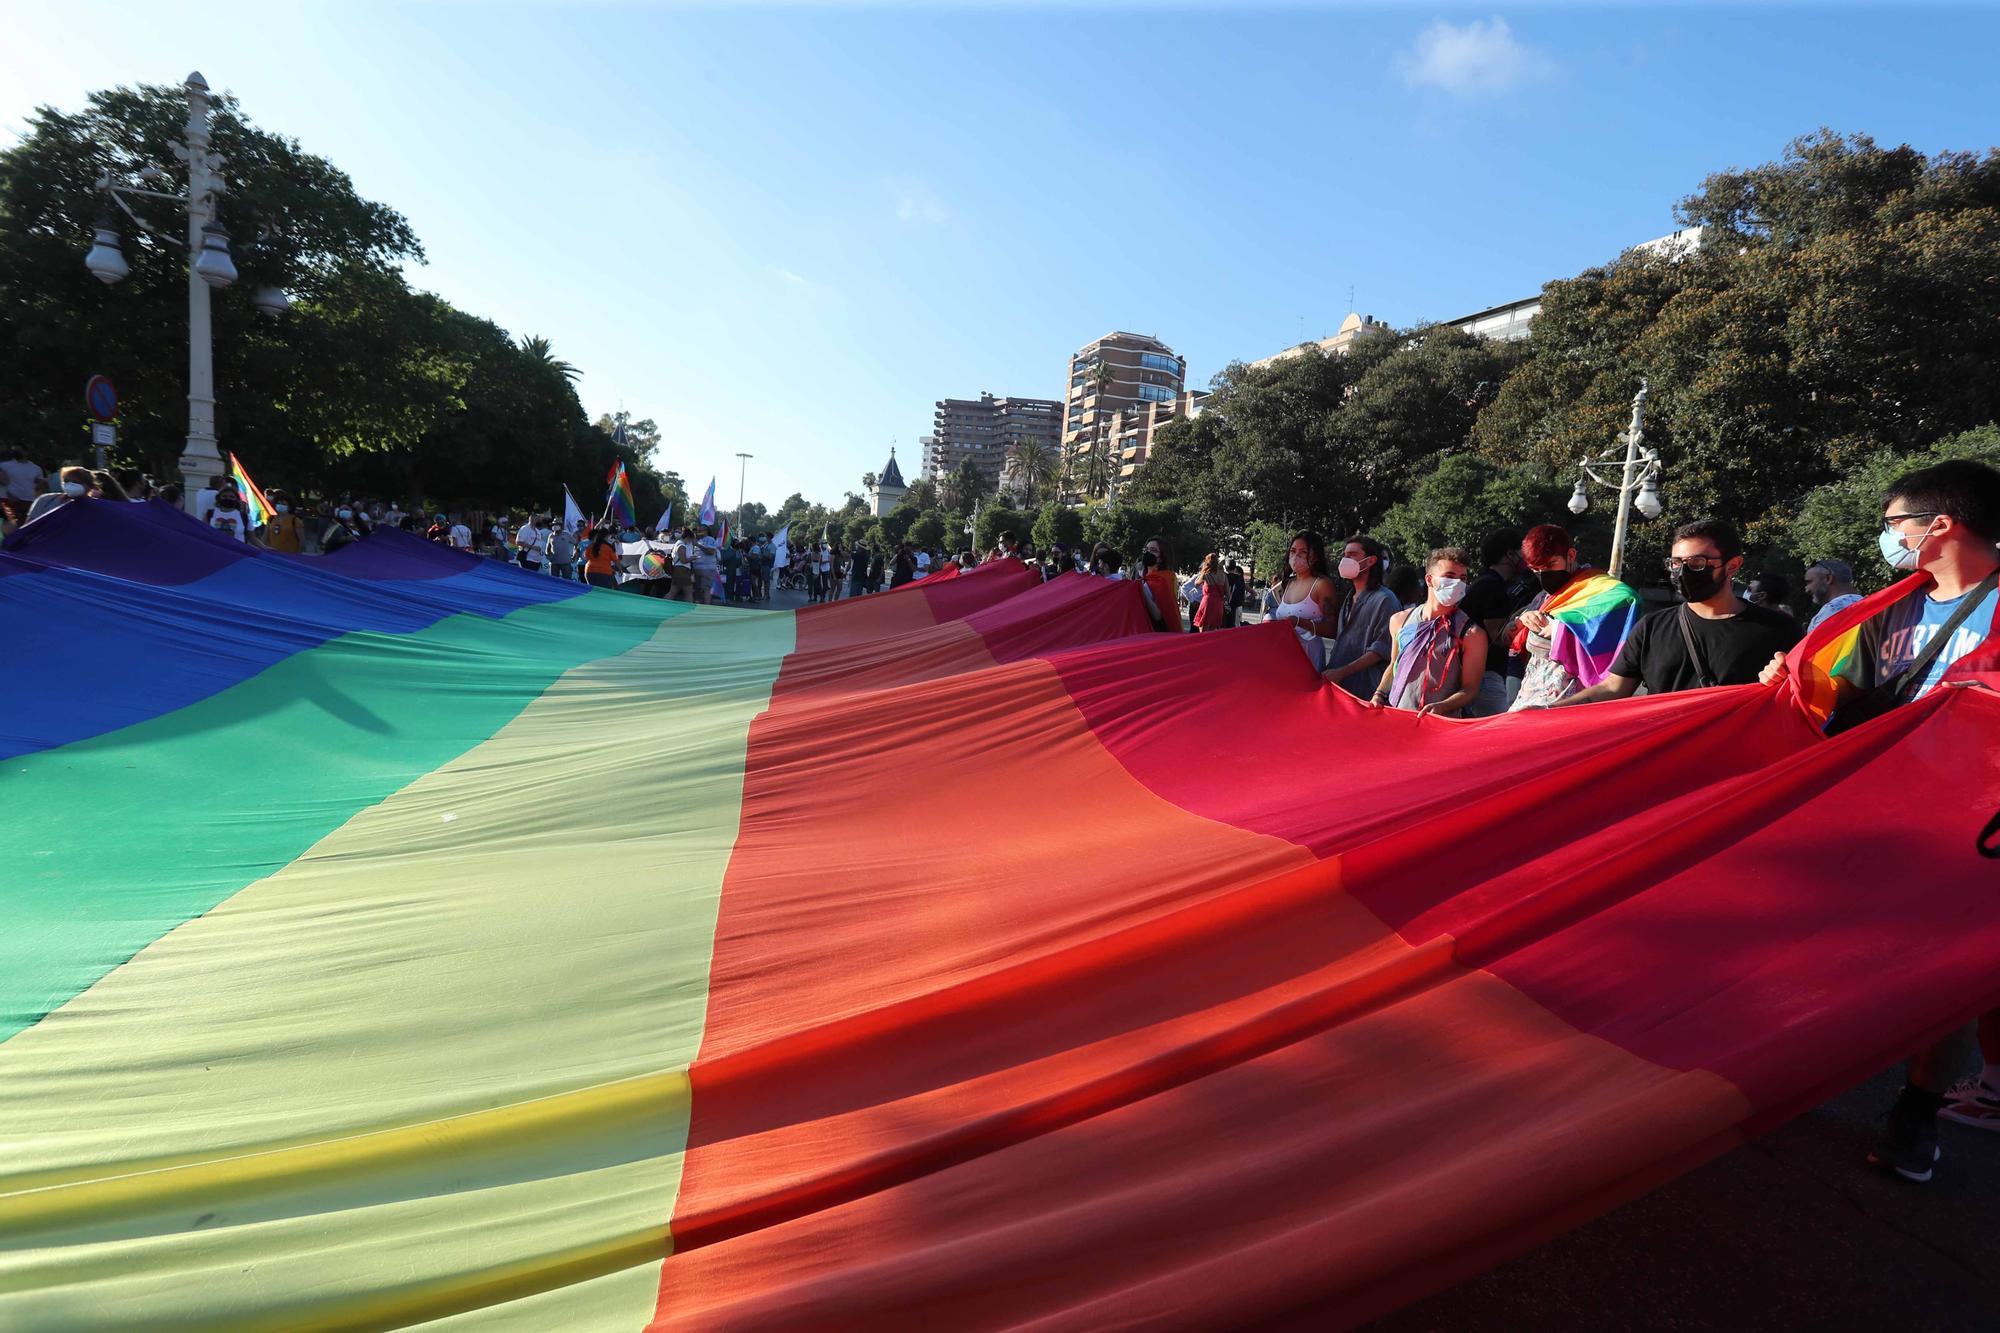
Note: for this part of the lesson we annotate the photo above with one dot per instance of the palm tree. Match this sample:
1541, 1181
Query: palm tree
1097, 468
1034, 464
538, 349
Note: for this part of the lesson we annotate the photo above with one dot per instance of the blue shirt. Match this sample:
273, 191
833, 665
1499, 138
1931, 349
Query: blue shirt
1838, 604
1910, 625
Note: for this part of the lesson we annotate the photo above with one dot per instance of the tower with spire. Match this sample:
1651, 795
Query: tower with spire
888, 490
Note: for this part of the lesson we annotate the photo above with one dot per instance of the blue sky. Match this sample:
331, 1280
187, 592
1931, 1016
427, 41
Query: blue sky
789, 230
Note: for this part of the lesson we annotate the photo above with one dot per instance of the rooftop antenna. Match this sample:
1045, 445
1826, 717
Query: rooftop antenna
1350, 297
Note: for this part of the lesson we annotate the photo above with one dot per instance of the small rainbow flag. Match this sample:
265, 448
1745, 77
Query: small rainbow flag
1819, 664
254, 503
620, 495
1593, 614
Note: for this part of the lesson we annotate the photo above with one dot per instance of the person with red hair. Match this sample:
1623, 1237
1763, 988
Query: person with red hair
1550, 554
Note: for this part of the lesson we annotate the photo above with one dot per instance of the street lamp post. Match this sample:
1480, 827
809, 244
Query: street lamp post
742, 474
1638, 483
209, 265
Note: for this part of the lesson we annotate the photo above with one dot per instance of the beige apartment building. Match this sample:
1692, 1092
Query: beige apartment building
1121, 387
987, 430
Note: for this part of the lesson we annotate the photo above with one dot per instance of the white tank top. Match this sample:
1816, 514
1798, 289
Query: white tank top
1305, 609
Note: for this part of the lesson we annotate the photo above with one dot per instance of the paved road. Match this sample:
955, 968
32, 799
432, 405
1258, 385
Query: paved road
1789, 1232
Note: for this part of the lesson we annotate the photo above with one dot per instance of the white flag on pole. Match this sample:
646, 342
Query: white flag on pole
571, 514
665, 519
781, 554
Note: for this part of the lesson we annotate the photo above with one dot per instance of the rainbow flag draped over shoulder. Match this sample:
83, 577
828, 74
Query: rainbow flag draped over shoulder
584, 979
1819, 664
618, 498
254, 503
1594, 615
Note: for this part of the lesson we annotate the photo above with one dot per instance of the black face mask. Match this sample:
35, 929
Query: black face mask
1554, 580
1696, 586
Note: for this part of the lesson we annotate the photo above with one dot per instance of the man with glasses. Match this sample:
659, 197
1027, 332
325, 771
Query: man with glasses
1712, 638
1945, 521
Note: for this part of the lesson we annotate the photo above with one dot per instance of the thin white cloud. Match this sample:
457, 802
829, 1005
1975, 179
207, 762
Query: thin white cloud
1479, 59
787, 276
917, 204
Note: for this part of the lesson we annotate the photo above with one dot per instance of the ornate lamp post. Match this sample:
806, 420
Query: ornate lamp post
1638, 476
209, 265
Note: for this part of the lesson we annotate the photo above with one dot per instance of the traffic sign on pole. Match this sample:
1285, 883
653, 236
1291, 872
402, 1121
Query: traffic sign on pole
101, 397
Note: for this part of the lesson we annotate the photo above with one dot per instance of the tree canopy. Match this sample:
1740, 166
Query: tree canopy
368, 386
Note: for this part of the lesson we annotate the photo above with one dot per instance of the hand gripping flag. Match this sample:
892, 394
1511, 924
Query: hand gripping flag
1593, 615
254, 503
708, 505
619, 496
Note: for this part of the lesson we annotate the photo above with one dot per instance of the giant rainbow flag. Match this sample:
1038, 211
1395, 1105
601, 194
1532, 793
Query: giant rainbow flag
395, 936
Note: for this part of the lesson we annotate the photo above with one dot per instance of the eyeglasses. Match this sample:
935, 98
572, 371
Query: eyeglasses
1889, 521
1697, 563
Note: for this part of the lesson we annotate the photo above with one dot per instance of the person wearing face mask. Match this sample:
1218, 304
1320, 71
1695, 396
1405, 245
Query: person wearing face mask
1942, 521
284, 532
1360, 642
1437, 653
1306, 595
1712, 638
341, 532
1549, 555
73, 483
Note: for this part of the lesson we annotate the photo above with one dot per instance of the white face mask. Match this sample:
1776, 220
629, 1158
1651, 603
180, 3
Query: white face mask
283, 509
1899, 556
1449, 592
74, 488
1300, 563
346, 514
1350, 568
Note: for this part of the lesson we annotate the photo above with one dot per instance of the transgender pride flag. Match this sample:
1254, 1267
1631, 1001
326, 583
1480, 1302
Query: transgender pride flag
708, 505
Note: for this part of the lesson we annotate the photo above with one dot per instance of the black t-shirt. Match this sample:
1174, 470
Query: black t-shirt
1493, 598
1735, 650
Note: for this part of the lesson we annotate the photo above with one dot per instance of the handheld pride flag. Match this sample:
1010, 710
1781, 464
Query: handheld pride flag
254, 503
708, 505
619, 497
1593, 614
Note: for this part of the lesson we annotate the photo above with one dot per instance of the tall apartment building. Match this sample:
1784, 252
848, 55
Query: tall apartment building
1120, 388
986, 430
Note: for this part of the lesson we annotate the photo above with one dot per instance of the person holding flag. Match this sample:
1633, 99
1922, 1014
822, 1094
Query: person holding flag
618, 498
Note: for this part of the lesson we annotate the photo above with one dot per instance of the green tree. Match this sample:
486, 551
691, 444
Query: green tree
1033, 466
59, 325
996, 519
895, 525
929, 530
1464, 498
1057, 523
1840, 519
964, 488
1844, 300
